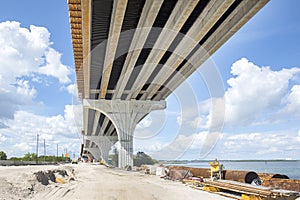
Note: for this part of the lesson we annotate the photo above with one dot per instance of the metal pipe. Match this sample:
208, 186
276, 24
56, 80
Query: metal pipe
240, 176
198, 172
268, 176
286, 184
267, 179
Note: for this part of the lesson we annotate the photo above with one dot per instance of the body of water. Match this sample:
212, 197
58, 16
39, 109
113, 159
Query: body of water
289, 168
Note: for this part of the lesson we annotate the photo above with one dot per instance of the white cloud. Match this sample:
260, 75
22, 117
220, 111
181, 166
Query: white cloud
2, 138
72, 89
20, 132
22, 50
293, 105
255, 90
25, 56
248, 145
255, 98
255, 95
54, 67
23, 147
194, 117
25, 90
149, 148
260, 145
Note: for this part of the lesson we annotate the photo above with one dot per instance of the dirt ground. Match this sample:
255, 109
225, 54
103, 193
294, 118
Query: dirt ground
88, 181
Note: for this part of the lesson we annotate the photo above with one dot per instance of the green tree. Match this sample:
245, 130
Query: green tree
3, 155
29, 157
141, 158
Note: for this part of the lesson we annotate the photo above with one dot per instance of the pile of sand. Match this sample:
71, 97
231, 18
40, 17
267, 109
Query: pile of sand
24, 182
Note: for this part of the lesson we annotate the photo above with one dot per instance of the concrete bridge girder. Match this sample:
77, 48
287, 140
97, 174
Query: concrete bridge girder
125, 115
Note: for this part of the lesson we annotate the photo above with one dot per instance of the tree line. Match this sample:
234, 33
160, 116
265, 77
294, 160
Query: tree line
33, 157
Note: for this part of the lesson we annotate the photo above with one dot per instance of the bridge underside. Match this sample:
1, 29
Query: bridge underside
140, 51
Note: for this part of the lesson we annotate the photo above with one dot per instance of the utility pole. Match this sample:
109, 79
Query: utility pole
56, 152
44, 150
37, 148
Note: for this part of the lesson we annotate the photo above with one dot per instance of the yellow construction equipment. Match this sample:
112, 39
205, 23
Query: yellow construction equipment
216, 170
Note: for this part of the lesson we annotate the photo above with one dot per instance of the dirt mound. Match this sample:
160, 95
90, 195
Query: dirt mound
19, 183
21, 186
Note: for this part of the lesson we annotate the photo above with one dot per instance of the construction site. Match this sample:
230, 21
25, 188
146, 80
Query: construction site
236, 184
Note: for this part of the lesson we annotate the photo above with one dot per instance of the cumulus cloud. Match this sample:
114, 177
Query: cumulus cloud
26, 55
25, 90
253, 93
293, 98
260, 145
22, 50
255, 96
20, 132
54, 67
255, 90
250, 145
72, 89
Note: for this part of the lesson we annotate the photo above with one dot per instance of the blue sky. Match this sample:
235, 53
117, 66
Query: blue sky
259, 67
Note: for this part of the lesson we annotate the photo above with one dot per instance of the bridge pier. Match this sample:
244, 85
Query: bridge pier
125, 115
94, 151
104, 143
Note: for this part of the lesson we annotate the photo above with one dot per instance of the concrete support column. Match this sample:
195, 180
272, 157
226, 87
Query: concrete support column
125, 115
94, 151
104, 143
126, 151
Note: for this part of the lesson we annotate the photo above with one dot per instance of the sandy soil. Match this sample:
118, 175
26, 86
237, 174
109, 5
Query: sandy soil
93, 182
